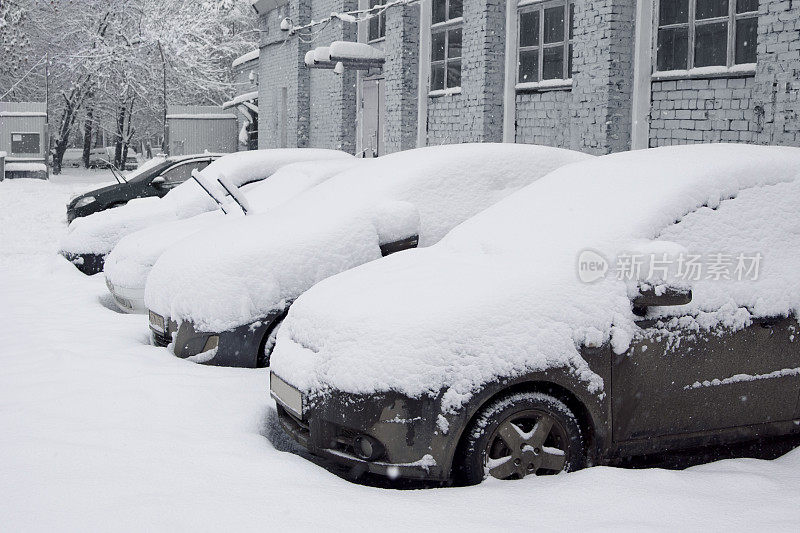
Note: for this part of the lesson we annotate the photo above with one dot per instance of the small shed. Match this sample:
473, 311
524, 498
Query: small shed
23, 136
197, 129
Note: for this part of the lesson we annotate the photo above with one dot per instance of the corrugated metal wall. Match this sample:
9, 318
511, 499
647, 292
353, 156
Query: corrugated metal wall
195, 129
17, 118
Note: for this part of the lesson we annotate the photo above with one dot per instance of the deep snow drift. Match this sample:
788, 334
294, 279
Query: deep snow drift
500, 296
101, 431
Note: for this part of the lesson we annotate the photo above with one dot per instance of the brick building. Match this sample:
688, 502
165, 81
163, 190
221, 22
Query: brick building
599, 76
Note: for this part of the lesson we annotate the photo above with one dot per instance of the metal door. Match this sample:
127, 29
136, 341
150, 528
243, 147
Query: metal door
373, 96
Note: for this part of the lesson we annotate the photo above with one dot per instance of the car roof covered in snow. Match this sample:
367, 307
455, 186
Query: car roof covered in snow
259, 263
500, 296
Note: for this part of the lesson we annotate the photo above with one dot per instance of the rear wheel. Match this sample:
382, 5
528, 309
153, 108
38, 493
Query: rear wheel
526, 433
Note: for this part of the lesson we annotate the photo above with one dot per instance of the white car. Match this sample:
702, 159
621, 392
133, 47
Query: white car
129, 263
89, 239
641, 302
223, 293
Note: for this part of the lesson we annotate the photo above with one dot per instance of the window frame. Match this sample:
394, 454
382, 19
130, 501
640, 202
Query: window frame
445, 27
38, 135
691, 24
380, 19
180, 166
525, 7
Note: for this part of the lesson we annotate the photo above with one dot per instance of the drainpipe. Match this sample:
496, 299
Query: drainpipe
642, 70
424, 71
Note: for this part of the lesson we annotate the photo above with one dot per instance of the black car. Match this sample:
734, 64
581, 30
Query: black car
151, 180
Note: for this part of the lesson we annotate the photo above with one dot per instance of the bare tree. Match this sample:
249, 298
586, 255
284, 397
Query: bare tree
129, 58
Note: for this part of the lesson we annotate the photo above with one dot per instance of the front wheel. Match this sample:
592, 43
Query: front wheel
525, 433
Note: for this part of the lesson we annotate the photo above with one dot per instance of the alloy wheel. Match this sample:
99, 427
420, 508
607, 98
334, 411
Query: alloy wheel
527, 442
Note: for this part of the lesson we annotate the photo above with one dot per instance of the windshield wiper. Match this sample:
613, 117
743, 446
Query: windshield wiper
235, 193
114, 170
195, 175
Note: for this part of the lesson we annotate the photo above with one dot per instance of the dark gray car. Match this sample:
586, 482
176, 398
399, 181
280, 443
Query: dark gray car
509, 349
646, 411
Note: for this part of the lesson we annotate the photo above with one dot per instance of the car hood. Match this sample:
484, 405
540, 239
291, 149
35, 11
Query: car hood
130, 261
500, 295
240, 270
102, 191
99, 232
430, 320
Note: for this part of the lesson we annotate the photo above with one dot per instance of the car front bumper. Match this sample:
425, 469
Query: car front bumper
89, 264
84, 210
411, 443
239, 347
127, 299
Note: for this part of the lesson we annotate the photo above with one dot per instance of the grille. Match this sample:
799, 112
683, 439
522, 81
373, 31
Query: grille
160, 340
295, 425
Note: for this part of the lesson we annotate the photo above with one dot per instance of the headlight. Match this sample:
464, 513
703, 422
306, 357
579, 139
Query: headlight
211, 343
84, 201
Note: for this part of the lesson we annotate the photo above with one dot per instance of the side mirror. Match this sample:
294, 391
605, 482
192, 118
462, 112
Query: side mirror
158, 182
399, 245
650, 296
398, 226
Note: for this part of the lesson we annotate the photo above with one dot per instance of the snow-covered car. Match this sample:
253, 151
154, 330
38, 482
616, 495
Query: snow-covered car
220, 296
154, 178
127, 266
613, 308
89, 239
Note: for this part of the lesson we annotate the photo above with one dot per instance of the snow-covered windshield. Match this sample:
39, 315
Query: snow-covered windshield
240, 168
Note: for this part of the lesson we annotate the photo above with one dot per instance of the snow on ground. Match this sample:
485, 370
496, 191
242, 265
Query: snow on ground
102, 431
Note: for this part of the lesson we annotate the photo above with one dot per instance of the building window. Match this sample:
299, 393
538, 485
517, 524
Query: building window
545, 42
377, 24
446, 25
706, 33
25, 143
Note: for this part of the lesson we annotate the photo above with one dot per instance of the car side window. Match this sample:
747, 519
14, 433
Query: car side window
737, 249
182, 172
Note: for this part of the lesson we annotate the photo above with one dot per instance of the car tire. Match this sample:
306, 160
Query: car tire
521, 434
